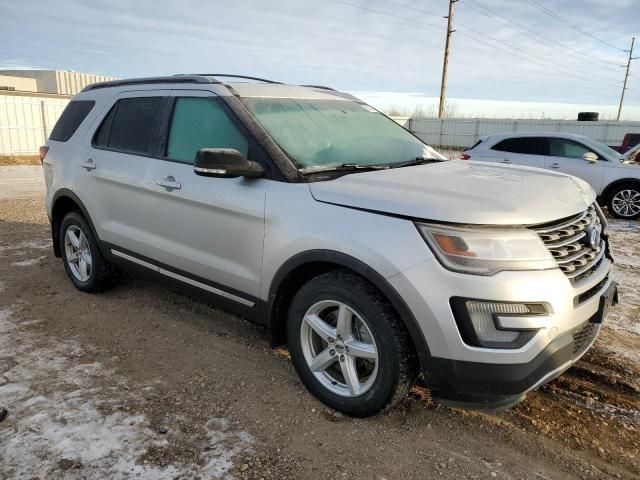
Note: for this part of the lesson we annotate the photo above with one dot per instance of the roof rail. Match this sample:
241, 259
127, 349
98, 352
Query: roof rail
319, 86
245, 77
148, 80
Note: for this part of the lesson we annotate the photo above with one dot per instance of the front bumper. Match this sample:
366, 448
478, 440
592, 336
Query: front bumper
497, 386
492, 378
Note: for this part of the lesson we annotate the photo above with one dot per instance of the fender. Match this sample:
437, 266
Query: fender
55, 234
604, 196
339, 259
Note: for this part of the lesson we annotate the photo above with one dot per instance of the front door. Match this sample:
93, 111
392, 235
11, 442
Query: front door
565, 156
208, 229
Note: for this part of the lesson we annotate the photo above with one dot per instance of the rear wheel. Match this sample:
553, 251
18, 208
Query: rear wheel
348, 345
86, 267
624, 201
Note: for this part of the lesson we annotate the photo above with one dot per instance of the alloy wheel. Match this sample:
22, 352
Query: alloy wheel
626, 203
78, 253
339, 348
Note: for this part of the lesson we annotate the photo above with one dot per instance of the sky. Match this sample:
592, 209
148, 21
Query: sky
508, 58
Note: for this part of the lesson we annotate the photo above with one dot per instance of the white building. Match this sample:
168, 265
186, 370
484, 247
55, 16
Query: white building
31, 102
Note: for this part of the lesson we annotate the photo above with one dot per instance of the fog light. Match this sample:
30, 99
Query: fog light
482, 314
498, 324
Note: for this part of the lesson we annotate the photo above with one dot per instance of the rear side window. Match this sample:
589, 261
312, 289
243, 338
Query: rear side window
526, 145
130, 126
71, 118
201, 123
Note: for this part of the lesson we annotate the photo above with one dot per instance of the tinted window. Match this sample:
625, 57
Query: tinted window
527, 145
130, 125
73, 115
633, 140
201, 123
561, 147
102, 135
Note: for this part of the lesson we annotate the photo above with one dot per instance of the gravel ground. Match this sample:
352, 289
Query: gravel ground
140, 382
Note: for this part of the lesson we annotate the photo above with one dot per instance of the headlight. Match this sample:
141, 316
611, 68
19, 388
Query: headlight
487, 251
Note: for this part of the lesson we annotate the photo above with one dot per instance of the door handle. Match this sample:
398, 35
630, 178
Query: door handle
169, 183
505, 160
554, 166
88, 165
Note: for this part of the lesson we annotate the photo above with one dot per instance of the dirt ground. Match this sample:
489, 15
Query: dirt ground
140, 382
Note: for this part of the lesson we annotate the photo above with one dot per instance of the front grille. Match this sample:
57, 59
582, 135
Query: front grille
582, 336
569, 241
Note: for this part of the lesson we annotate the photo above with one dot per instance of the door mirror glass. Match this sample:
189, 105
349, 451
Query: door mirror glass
590, 157
225, 163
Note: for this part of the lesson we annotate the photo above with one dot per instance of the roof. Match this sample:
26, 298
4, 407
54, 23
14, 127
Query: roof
535, 134
240, 85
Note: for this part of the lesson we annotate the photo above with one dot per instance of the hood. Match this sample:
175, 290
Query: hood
462, 192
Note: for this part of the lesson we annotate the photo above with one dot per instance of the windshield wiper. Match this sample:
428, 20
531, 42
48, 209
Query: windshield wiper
416, 161
344, 167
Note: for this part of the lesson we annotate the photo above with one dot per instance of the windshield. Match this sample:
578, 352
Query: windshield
325, 133
604, 149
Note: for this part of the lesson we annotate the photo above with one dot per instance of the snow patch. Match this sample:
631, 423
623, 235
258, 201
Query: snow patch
57, 411
27, 263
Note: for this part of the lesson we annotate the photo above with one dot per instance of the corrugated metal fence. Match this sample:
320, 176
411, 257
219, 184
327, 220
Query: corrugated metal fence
463, 132
26, 122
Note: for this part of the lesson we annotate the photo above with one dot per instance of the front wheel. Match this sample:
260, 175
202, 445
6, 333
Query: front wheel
624, 201
349, 346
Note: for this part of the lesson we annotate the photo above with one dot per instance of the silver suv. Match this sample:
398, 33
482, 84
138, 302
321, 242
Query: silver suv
614, 176
310, 212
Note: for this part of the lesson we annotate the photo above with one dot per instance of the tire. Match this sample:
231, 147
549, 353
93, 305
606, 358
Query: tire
624, 201
79, 247
376, 330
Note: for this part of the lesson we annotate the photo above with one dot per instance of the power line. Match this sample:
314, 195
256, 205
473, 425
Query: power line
557, 17
569, 70
536, 36
516, 53
362, 7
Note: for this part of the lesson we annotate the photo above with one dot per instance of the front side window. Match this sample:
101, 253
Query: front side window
525, 145
562, 147
197, 123
325, 133
130, 126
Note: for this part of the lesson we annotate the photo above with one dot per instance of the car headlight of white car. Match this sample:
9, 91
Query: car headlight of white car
486, 251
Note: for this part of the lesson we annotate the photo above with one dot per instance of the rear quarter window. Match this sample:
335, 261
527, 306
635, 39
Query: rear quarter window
71, 118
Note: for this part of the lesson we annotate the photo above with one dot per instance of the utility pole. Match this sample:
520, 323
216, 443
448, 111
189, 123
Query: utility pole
626, 76
445, 64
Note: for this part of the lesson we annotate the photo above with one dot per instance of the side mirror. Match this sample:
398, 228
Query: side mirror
590, 157
225, 163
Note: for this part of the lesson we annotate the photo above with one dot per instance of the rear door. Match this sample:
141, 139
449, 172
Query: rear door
565, 156
209, 230
114, 174
527, 151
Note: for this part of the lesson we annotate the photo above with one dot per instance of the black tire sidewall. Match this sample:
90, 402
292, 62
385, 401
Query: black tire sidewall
76, 219
615, 191
358, 295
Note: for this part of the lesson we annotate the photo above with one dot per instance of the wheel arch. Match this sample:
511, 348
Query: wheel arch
63, 202
606, 193
302, 267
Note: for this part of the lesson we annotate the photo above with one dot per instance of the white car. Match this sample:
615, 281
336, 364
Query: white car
614, 177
